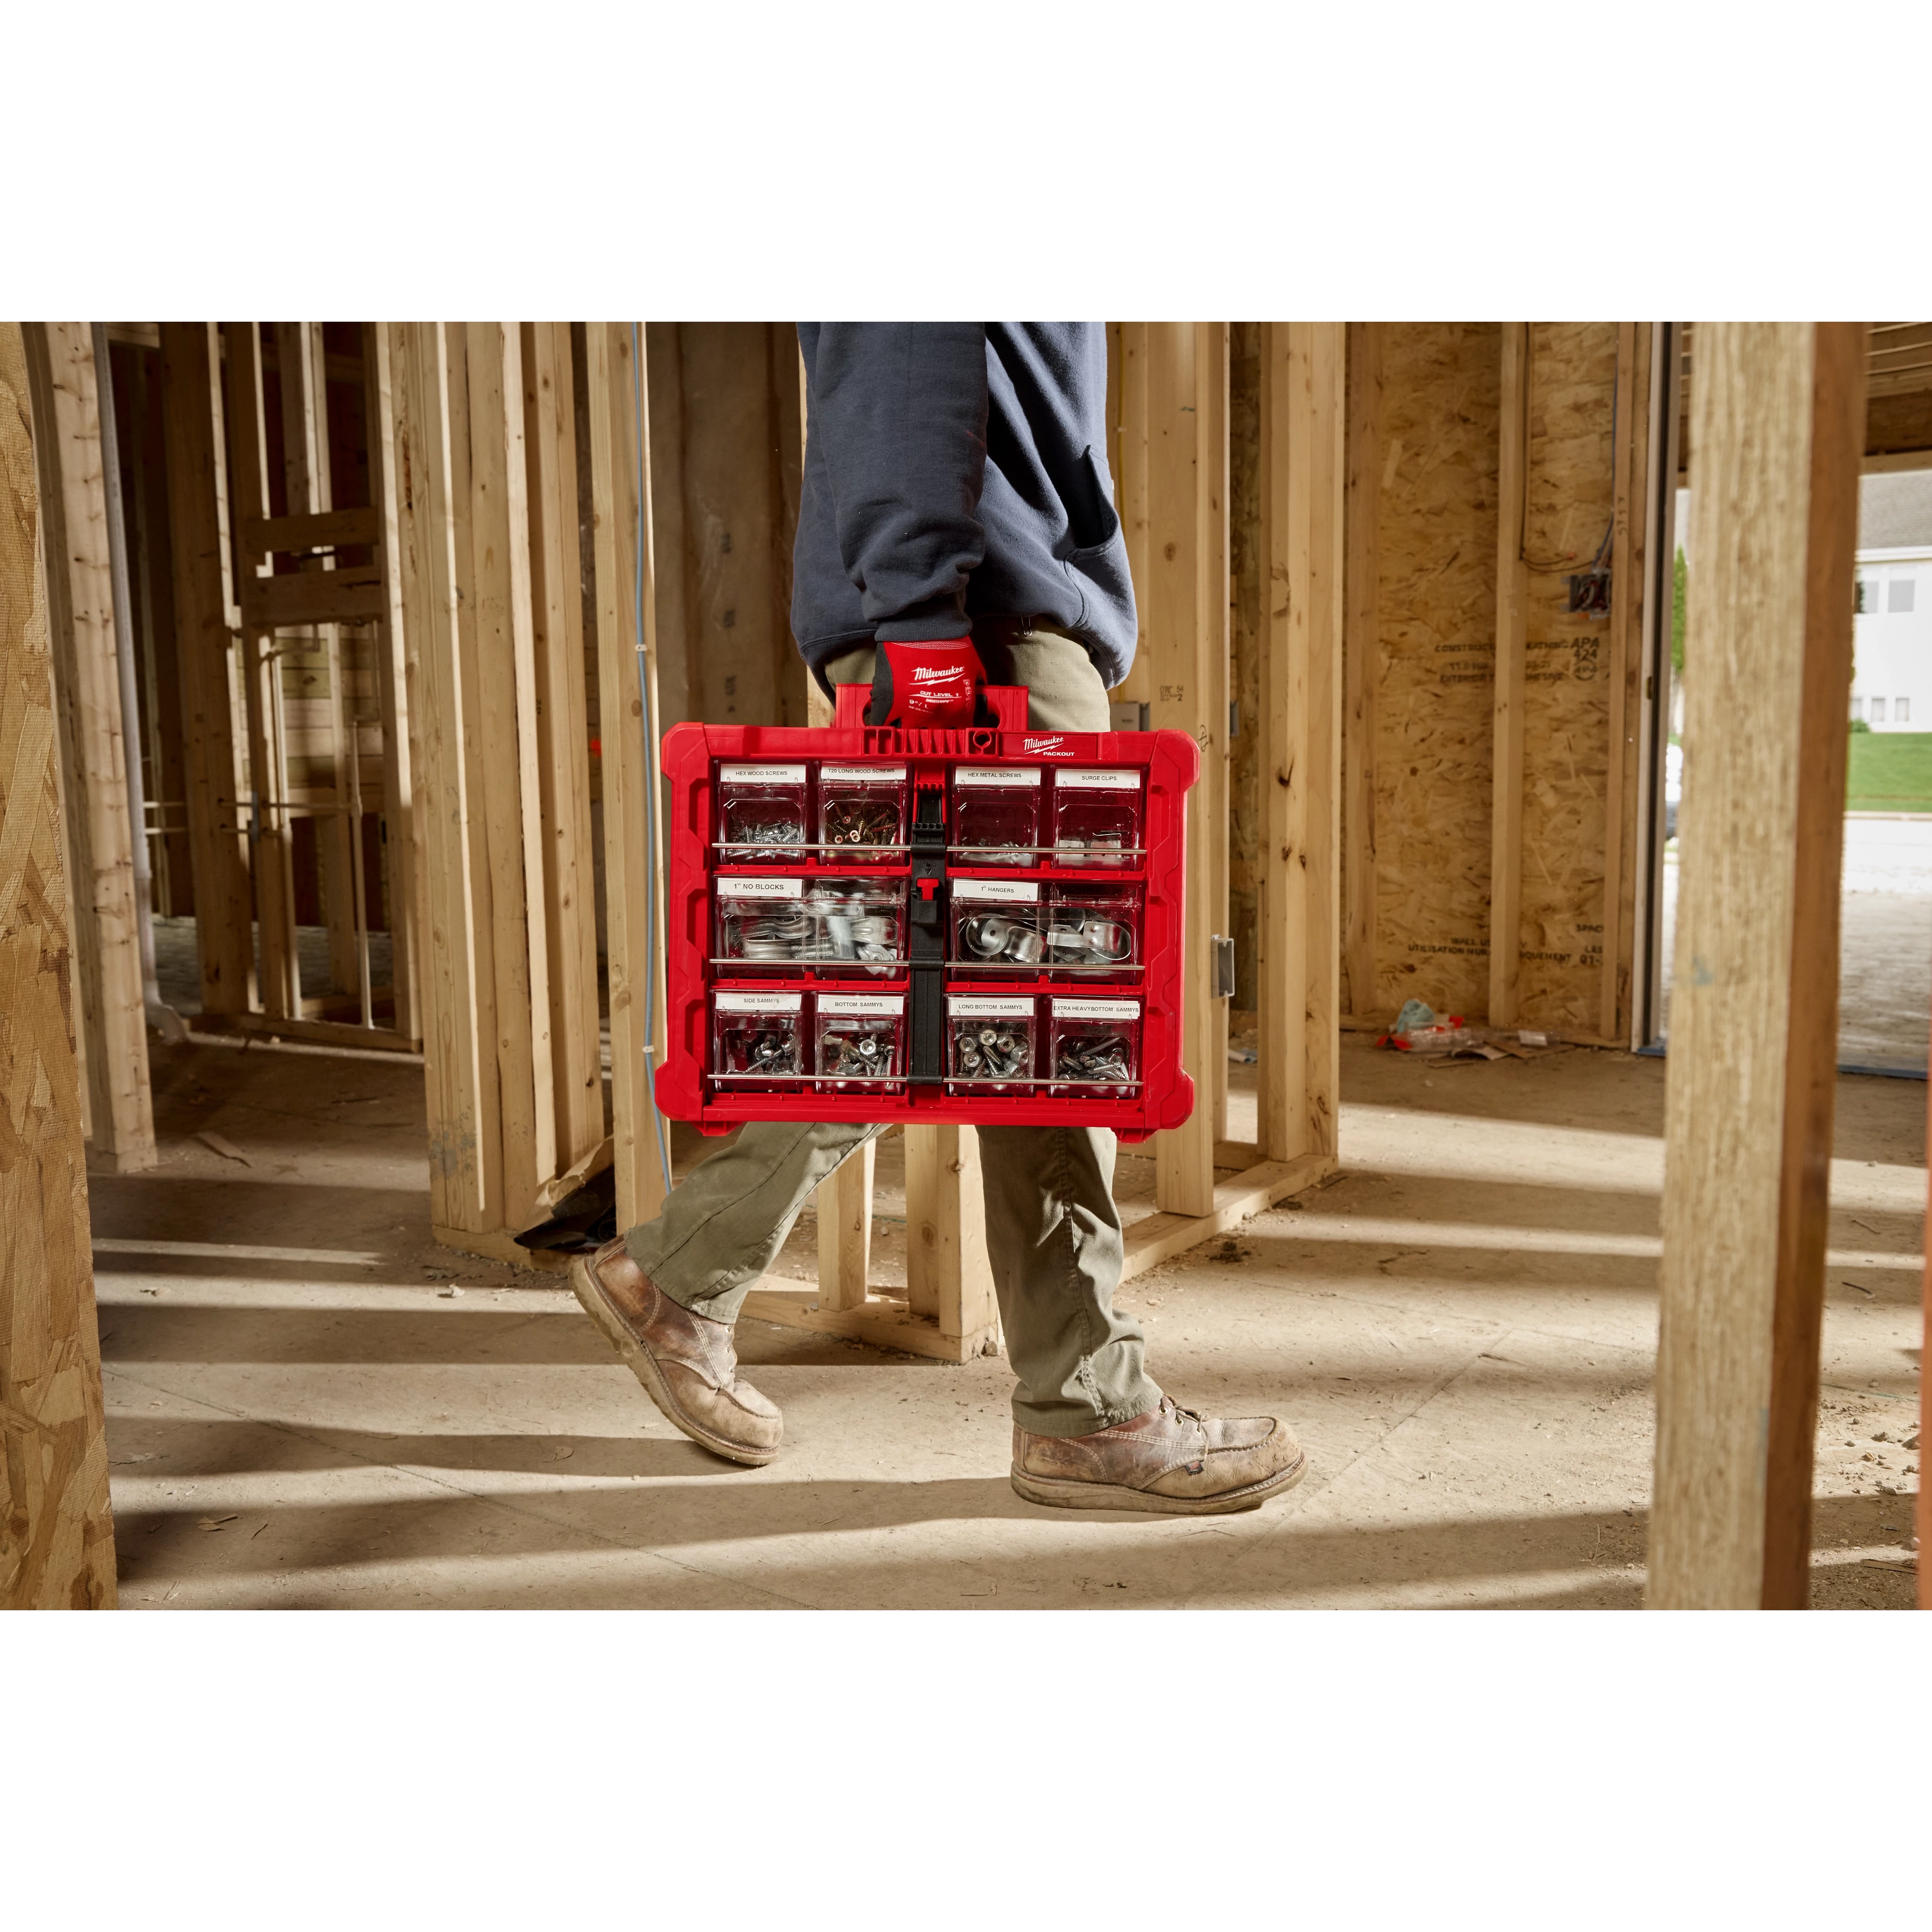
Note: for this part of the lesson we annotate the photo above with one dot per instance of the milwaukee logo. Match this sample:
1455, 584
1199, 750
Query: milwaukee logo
1045, 744
938, 670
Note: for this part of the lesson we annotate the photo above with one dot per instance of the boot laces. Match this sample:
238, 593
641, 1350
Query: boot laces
1182, 1413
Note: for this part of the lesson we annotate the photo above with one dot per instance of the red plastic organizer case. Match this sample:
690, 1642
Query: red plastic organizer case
937, 974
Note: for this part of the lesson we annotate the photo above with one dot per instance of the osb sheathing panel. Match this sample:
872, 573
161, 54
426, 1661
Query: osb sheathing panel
1572, 369
1437, 614
1435, 679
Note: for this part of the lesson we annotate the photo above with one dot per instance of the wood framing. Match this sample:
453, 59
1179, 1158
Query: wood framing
627, 708
1506, 702
1779, 426
493, 579
316, 681
56, 1529
1127, 428
1257, 1185
949, 1313
87, 668
845, 1230
384, 516
272, 834
1641, 940
1303, 497
500, 756
1185, 419
1628, 559
727, 464
1361, 655
204, 599
561, 745
949, 1277
466, 1180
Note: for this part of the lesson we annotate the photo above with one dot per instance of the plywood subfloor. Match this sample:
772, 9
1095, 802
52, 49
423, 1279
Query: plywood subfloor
1461, 1327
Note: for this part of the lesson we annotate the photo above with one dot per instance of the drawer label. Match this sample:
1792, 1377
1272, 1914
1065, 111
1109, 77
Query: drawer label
1077, 780
996, 774
754, 774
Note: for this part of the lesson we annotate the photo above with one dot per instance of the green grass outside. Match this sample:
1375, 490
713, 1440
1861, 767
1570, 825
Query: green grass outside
1890, 771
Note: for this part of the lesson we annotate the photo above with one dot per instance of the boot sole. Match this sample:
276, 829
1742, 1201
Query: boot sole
638, 1360
1058, 1492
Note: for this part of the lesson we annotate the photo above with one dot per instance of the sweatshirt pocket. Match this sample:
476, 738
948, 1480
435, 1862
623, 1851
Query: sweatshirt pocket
1092, 523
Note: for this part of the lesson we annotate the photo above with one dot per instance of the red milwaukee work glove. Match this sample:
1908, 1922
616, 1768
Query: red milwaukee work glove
926, 687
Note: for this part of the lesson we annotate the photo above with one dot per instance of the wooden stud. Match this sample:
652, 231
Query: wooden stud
734, 411
308, 485
500, 740
1128, 423
563, 764
153, 578
1186, 626
127, 652
1651, 677
1216, 795
80, 617
1627, 602
1779, 426
845, 1230
969, 1305
56, 1528
785, 367
1303, 483
949, 1275
271, 832
465, 1144
1361, 663
1512, 605
392, 681
621, 507
197, 516
665, 376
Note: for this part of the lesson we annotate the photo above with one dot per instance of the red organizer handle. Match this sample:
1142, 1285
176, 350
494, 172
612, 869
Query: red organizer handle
1007, 703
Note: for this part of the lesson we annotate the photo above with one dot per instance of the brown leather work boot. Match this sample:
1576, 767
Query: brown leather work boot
1170, 1462
686, 1361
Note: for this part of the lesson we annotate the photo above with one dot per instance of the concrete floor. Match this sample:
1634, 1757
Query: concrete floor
303, 1413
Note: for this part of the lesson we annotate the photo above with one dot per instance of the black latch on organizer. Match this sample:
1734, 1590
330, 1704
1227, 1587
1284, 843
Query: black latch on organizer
928, 933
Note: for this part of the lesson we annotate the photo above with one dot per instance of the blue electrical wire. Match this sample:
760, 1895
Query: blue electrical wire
650, 779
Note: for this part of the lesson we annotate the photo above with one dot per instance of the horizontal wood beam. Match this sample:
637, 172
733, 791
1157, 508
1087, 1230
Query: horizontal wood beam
357, 596
308, 1032
882, 1321
321, 530
1159, 1237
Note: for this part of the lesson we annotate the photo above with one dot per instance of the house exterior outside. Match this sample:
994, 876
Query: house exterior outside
1891, 671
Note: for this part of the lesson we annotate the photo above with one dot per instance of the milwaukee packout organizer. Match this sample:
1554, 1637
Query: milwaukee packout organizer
981, 925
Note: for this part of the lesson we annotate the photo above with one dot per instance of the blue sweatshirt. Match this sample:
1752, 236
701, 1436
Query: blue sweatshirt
956, 471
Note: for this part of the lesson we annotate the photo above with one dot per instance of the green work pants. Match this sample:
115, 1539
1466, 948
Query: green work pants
1053, 1231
